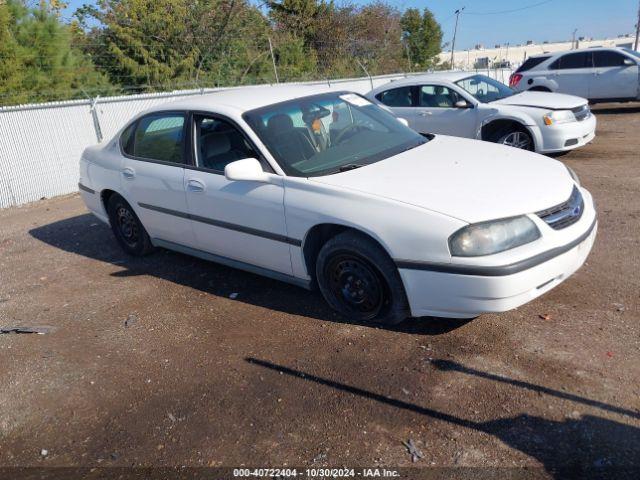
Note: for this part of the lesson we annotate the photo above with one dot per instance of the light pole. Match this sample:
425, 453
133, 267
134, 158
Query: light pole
573, 39
455, 31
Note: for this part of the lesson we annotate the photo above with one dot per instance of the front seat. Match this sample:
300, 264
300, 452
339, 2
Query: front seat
216, 151
292, 144
443, 100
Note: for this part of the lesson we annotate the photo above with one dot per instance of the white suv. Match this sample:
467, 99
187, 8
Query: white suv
599, 74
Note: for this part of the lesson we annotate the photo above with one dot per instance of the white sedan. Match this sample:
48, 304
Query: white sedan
469, 105
328, 189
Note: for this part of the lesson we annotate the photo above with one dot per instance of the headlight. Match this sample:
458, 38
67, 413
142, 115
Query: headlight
573, 175
559, 116
491, 237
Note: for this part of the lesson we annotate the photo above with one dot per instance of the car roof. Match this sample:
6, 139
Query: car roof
577, 50
426, 77
243, 99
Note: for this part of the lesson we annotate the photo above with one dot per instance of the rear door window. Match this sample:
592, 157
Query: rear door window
397, 97
572, 60
160, 137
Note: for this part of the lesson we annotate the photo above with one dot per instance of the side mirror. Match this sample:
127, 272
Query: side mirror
627, 62
403, 121
462, 104
247, 170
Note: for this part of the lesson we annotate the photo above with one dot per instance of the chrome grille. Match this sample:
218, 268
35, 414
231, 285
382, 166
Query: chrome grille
582, 113
565, 214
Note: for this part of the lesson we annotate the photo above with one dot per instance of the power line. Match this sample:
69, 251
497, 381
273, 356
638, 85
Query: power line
500, 12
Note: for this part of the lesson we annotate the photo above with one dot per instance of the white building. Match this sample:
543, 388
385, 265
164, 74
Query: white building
504, 55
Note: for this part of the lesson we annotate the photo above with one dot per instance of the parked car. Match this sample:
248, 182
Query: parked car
328, 189
599, 74
470, 105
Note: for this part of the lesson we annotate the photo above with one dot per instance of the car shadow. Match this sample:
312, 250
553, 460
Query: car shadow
589, 447
87, 236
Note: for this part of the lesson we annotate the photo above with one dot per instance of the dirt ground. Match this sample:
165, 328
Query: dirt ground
150, 362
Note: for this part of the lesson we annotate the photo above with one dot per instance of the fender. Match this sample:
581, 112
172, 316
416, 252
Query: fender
523, 119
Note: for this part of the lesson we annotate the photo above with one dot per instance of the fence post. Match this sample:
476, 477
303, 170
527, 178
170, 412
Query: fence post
273, 59
366, 72
96, 120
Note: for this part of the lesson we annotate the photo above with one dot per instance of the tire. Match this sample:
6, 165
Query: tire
127, 228
539, 89
514, 137
359, 280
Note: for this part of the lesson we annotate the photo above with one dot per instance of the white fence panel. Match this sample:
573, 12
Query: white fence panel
39, 150
41, 144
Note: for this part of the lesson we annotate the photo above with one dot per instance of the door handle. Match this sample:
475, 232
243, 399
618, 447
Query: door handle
195, 186
424, 114
128, 173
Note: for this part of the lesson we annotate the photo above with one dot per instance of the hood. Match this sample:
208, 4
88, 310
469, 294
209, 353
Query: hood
470, 180
547, 100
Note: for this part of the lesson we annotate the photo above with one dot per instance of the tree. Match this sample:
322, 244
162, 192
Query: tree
151, 45
377, 34
39, 61
422, 36
299, 17
11, 66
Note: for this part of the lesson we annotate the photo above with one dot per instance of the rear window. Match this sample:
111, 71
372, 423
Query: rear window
530, 63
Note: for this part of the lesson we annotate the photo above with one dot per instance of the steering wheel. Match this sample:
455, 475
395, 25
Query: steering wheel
351, 130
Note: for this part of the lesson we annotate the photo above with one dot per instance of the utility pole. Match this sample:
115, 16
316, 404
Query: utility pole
455, 31
406, 47
573, 39
635, 47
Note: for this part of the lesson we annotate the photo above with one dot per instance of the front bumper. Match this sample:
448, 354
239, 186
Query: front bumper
464, 295
567, 136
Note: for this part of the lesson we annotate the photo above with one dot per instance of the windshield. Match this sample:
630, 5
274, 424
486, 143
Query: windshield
632, 52
330, 133
485, 89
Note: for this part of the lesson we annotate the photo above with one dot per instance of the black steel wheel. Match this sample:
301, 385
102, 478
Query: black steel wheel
127, 228
358, 279
356, 285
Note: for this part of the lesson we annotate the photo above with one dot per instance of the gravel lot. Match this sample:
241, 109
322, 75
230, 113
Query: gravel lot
149, 362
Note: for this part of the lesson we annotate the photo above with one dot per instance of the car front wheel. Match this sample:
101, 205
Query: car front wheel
359, 280
127, 228
515, 138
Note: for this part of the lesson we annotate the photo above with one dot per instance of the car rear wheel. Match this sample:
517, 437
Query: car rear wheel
515, 138
359, 280
127, 228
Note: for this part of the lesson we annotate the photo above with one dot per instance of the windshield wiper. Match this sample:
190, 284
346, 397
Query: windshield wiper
349, 166
411, 147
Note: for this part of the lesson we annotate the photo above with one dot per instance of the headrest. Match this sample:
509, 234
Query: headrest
280, 123
215, 144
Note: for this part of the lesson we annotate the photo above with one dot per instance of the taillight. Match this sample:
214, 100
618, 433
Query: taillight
514, 79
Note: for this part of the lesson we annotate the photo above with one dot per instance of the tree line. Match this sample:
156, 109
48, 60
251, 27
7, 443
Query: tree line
134, 46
